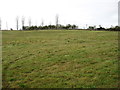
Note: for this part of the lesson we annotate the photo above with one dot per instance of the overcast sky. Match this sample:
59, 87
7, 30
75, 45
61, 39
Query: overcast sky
79, 12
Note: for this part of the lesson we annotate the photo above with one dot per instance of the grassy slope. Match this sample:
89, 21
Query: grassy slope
54, 59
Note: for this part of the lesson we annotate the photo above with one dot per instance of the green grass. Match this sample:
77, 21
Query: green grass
60, 59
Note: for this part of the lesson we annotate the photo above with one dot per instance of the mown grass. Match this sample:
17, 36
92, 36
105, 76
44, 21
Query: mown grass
60, 59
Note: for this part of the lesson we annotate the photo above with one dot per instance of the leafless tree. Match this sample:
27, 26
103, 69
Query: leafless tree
119, 13
57, 21
50, 23
42, 23
100, 26
36, 23
0, 23
29, 22
17, 22
23, 22
86, 26
6, 26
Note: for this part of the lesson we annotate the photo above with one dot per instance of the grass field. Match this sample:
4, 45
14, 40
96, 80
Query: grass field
60, 59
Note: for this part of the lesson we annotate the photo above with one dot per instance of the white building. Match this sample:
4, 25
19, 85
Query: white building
119, 13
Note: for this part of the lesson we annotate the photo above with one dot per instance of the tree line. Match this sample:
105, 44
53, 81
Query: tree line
42, 26
56, 26
116, 28
46, 27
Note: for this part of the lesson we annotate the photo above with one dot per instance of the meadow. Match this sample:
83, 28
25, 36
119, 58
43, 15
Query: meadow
60, 59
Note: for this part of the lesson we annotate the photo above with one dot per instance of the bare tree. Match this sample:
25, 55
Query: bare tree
50, 23
36, 23
119, 13
0, 23
17, 22
86, 26
42, 23
100, 26
6, 25
57, 21
29, 22
23, 22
